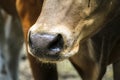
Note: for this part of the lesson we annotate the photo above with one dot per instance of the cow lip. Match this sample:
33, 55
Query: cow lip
46, 57
62, 55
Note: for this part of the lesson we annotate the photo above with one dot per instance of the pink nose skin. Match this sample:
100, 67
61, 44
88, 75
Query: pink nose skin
45, 44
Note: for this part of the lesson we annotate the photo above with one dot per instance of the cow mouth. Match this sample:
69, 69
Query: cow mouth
45, 57
60, 56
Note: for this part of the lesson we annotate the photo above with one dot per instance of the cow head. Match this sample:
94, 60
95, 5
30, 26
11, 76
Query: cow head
64, 24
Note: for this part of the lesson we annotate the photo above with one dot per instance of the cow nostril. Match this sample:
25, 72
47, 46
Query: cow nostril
57, 44
45, 44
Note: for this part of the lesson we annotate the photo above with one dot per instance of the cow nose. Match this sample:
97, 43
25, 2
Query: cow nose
49, 44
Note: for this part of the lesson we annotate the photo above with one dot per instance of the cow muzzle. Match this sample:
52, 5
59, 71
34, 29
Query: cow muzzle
51, 44
46, 45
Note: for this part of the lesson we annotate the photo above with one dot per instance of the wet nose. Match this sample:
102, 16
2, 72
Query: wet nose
49, 44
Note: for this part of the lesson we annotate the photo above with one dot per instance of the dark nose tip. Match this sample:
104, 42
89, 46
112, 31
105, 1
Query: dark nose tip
50, 44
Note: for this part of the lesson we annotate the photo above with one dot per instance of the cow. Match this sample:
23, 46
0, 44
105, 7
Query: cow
11, 40
84, 31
